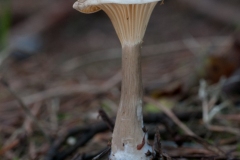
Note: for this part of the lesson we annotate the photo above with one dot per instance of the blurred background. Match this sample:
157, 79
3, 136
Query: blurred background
63, 66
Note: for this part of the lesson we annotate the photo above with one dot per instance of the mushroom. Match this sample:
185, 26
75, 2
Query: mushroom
130, 19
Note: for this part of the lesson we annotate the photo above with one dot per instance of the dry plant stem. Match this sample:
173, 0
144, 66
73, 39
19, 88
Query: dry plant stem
226, 129
10, 146
106, 119
66, 91
26, 110
181, 125
171, 115
129, 121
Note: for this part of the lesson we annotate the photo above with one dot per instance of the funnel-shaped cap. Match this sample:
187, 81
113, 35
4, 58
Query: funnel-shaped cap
91, 6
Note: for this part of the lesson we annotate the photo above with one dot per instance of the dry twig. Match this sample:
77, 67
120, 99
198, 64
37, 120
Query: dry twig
66, 91
106, 119
217, 128
171, 115
190, 133
26, 110
9, 146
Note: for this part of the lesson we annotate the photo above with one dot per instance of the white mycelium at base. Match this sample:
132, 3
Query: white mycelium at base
131, 153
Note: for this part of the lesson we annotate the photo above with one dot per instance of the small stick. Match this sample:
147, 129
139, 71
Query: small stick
187, 131
26, 109
53, 110
10, 146
207, 145
102, 154
106, 119
171, 115
157, 147
217, 128
78, 157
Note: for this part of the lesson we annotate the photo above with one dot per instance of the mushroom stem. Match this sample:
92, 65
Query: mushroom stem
130, 19
128, 132
129, 121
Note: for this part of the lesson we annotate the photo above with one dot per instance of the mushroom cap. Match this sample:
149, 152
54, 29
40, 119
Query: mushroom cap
91, 6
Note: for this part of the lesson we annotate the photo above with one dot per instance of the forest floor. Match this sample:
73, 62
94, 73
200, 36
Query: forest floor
64, 66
